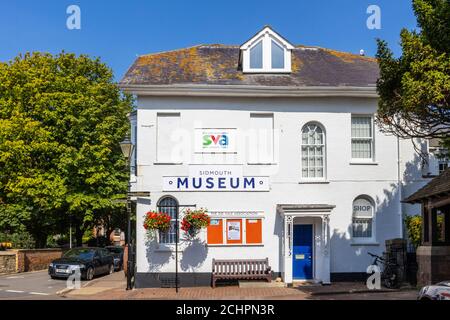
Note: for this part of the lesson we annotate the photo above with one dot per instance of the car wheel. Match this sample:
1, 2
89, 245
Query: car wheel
90, 274
53, 277
111, 269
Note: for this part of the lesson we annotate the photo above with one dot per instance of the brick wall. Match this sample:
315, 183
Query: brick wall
36, 259
7, 262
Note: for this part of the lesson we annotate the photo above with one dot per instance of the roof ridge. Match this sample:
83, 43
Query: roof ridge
297, 46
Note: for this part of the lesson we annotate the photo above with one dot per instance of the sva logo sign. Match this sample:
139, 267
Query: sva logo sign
219, 140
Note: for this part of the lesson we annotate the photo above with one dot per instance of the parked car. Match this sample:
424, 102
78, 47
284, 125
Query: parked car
117, 253
440, 291
90, 261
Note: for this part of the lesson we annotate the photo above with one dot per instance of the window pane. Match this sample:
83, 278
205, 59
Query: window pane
361, 127
361, 149
169, 236
362, 228
277, 56
169, 206
256, 56
313, 161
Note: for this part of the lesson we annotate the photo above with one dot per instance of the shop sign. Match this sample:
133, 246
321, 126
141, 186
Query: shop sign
362, 208
216, 178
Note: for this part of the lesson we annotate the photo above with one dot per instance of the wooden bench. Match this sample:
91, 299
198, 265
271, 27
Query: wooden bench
241, 269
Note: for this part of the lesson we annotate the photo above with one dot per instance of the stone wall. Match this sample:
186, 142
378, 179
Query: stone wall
36, 259
7, 262
433, 263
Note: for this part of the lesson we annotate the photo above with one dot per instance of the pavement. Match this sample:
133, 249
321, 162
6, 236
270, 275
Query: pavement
357, 291
39, 286
112, 287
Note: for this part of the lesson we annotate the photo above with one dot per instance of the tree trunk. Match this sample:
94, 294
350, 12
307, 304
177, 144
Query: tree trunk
78, 235
41, 240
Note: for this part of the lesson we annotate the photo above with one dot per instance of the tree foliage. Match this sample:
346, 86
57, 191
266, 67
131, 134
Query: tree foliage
61, 120
413, 226
414, 89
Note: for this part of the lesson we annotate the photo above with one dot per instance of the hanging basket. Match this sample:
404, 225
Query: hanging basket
193, 221
155, 222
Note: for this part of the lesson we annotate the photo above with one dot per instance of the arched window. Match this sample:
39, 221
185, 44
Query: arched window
169, 205
313, 151
363, 217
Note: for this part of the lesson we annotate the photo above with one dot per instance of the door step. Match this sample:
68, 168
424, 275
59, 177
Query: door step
305, 283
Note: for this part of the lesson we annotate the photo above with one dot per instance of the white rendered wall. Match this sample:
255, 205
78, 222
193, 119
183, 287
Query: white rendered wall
344, 181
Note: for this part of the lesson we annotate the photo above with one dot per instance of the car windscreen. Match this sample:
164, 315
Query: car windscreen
83, 254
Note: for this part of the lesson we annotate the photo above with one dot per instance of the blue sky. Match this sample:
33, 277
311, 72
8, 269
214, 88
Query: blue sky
117, 31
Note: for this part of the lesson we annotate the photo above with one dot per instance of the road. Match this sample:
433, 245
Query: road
400, 295
30, 285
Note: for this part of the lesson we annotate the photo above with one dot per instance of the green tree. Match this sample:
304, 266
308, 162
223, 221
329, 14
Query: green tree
61, 120
414, 89
413, 226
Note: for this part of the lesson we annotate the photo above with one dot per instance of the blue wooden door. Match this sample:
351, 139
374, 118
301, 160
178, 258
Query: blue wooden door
303, 253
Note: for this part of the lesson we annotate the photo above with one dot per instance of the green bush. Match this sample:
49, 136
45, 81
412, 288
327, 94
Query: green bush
414, 228
19, 240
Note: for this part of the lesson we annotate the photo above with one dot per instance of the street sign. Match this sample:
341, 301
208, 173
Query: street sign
139, 193
120, 201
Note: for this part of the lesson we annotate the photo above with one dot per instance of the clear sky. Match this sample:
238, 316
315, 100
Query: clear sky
118, 30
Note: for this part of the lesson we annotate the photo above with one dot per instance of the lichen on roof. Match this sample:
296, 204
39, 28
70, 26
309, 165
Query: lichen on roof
219, 64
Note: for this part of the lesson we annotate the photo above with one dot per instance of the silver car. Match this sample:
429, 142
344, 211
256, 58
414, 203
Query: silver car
440, 291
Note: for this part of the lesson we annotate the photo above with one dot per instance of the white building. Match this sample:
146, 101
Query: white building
278, 142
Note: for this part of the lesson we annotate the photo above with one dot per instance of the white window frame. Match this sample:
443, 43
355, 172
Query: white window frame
173, 220
372, 238
372, 139
436, 158
257, 160
159, 159
324, 153
267, 35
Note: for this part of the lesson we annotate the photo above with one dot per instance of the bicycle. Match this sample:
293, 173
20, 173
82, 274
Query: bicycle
391, 271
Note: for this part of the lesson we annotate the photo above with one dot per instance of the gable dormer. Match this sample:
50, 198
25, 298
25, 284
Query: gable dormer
266, 52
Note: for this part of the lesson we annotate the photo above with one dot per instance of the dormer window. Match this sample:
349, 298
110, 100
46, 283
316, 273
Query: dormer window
256, 56
277, 56
266, 52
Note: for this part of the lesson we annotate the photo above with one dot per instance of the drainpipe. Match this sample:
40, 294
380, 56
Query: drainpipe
399, 186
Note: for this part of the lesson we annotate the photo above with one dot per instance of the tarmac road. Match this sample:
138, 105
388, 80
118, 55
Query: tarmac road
30, 285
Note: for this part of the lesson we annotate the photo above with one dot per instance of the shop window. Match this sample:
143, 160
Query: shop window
235, 231
363, 218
